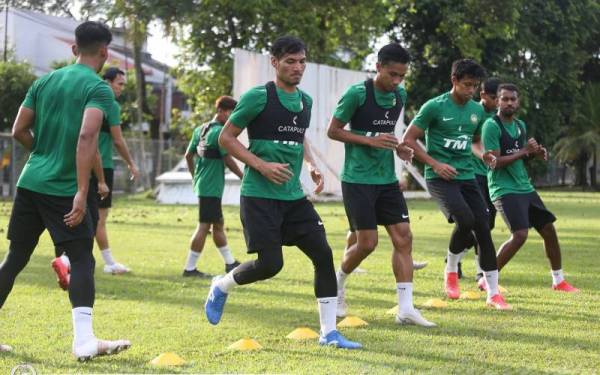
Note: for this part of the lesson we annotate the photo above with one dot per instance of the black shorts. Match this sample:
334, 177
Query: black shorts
270, 223
33, 212
370, 205
454, 196
523, 211
209, 210
109, 175
482, 181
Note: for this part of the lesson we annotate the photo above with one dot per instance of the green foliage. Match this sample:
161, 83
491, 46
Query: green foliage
16, 79
57, 64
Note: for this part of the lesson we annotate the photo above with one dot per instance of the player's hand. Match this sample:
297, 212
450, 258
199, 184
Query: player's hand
490, 159
103, 190
135, 173
404, 152
277, 173
77, 213
384, 140
445, 171
403, 185
318, 179
542, 153
532, 146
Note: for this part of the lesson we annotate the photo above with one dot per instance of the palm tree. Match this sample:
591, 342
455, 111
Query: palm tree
582, 140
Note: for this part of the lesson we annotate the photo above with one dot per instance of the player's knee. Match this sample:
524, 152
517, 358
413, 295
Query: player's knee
403, 242
520, 236
548, 230
367, 245
271, 267
464, 221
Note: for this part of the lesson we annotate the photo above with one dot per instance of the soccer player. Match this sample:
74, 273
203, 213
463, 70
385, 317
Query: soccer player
58, 123
513, 194
209, 182
370, 188
450, 123
98, 204
274, 209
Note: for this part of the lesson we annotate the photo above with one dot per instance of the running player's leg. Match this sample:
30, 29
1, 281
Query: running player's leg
219, 238
514, 209
196, 247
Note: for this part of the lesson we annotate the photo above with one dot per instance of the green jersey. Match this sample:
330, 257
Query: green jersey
105, 140
449, 130
209, 173
276, 121
364, 164
59, 100
512, 178
479, 166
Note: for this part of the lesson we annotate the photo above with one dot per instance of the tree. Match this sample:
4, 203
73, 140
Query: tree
16, 79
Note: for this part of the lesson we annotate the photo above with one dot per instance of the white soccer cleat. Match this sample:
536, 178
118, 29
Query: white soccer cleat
5, 348
415, 318
95, 347
419, 265
342, 307
116, 269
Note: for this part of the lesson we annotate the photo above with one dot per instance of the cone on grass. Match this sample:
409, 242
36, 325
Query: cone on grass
393, 311
435, 303
469, 294
302, 333
245, 344
351, 322
168, 359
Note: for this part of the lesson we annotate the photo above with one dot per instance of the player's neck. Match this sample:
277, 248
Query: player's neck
487, 109
285, 86
457, 99
89, 61
377, 84
506, 119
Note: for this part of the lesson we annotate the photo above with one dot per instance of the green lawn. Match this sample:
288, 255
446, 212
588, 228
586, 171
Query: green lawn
159, 311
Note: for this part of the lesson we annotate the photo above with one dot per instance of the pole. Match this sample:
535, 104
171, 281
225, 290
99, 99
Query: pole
5, 30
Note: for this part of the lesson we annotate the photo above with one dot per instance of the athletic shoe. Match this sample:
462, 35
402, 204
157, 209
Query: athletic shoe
451, 285
62, 273
498, 302
482, 284
5, 348
116, 269
336, 339
342, 307
196, 273
215, 302
564, 286
414, 317
95, 347
460, 274
359, 270
230, 267
419, 265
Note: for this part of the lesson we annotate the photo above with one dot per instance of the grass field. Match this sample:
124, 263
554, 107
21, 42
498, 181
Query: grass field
159, 311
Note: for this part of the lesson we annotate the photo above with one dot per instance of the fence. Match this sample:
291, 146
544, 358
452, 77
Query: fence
152, 157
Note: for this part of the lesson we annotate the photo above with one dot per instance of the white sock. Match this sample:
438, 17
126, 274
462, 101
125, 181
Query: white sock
327, 308
341, 279
227, 282
107, 256
452, 262
462, 254
82, 325
479, 270
405, 297
192, 260
65, 259
491, 278
557, 277
226, 254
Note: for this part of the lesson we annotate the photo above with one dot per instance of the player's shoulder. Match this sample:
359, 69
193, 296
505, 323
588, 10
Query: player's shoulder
256, 92
306, 97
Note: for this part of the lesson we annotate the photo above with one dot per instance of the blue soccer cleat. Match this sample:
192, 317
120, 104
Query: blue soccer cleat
336, 339
215, 302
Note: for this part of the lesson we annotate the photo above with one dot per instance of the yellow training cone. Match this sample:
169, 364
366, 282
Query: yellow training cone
393, 311
302, 333
436, 303
470, 295
168, 359
502, 289
352, 321
245, 344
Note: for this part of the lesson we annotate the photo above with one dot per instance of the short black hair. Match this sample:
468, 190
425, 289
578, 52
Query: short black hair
112, 73
91, 35
490, 85
507, 86
286, 45
225, 102
393, 52
467, 68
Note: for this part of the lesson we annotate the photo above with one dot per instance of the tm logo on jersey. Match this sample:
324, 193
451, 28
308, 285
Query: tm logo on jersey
457, 144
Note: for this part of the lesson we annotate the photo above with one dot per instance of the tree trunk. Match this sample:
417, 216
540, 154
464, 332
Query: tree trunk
593, 169
140, 80
582, 170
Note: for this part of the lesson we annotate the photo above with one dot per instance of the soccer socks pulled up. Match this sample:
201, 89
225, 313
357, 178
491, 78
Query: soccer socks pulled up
341, 279
405, 297
327, 308
557, 277
452, 262
491, 278
82, 325
192, 260
226, 282
107, 256
226, 254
